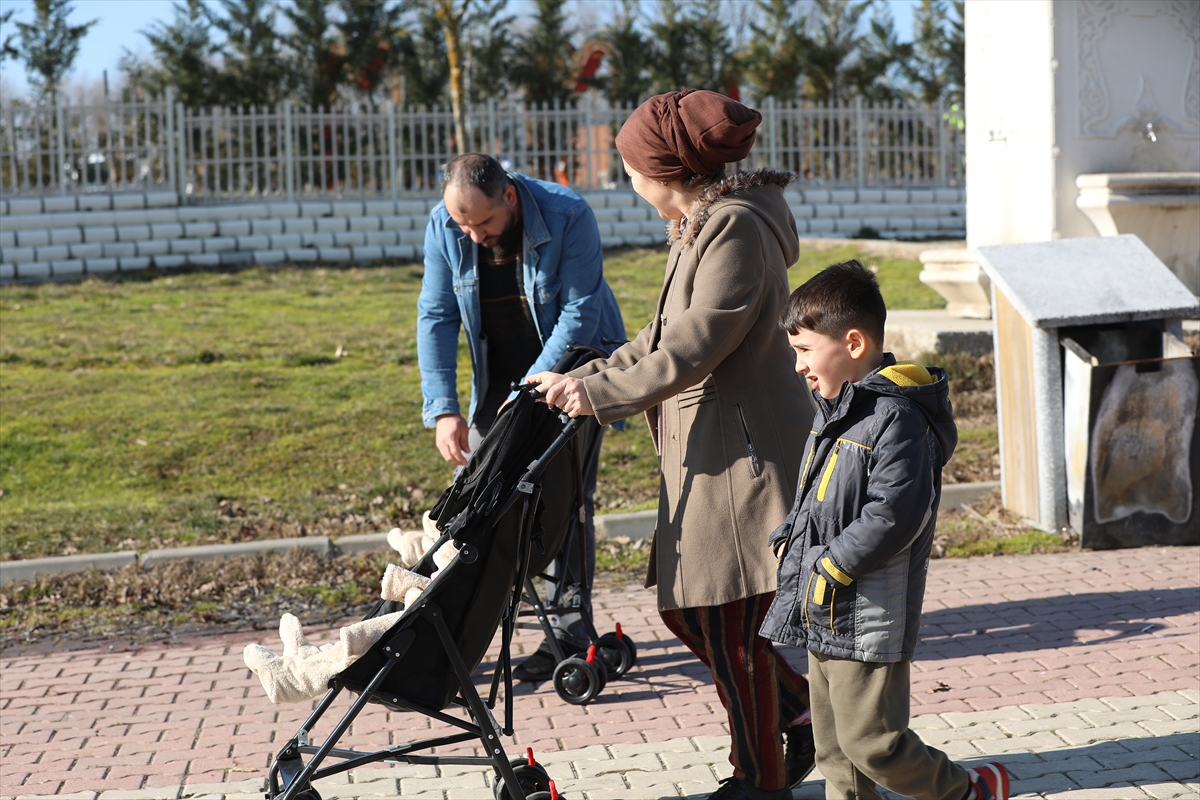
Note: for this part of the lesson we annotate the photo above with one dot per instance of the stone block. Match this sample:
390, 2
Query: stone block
627, 228
815, 196
160, 215
24, 205
233, 227
161, 199
415, 237
30, 568
317, 544
219, 244
925, 223
126, 200
827, 211
370, 223
379, 208
18, 255
205, 259
170, 261
67, 268
895, 196
301, 255
236, 258
132, 233
282, 210
843, 196
349, 239
611, 242
334, 255
94, 202
153, 247
52, 205
900, 224
286, 241
9, 238
636, 214
105, 233
411, 207
25, 222
129, 217
52, 252
331, 224
317, 239
910, 333
266, 227
199, 230
269, 258
135, 263
3, 208
299, 225
8, 273
821, 225
316, 208
870, 195
101, 266
876, 223
847, 225
118, 250
251, 243
63, 236
401, 252
366, 254
382, 238
89, 250
920, 196
635, 525
950, 195
347, 208
399, 223
33, 238
33, 270
620, 199
166, 230
187, 246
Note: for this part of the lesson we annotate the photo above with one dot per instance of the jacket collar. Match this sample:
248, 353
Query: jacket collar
536, 232
688, 230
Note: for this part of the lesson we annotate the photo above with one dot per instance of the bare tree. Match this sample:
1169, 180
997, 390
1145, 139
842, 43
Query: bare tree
451, 13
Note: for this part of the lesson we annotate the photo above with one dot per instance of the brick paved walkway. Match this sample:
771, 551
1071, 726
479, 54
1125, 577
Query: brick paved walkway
1080, 671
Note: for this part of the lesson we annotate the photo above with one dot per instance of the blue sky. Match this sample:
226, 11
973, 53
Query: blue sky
121, 20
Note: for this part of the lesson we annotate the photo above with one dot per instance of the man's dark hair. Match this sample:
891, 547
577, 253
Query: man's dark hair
478, 170
836, 299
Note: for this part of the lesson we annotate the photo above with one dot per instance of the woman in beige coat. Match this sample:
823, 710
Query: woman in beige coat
716, 379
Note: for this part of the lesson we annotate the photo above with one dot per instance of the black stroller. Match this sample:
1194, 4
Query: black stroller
424, 662
560, 556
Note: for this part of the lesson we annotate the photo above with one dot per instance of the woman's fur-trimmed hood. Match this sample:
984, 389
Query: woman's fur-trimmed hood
739, 185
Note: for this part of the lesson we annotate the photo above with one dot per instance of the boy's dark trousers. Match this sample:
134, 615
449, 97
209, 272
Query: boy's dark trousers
860, 715
760, 691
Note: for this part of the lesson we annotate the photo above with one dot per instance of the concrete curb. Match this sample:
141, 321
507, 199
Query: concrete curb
634, 525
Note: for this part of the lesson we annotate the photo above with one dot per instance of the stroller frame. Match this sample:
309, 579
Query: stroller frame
290, 778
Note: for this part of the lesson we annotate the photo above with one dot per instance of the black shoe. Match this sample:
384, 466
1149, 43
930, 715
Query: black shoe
540, 666
735, 789
800, 755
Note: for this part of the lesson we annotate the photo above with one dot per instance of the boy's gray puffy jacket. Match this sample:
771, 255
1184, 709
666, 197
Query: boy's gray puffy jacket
852, 571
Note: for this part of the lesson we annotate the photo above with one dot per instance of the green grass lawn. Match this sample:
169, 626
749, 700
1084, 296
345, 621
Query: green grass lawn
163, 410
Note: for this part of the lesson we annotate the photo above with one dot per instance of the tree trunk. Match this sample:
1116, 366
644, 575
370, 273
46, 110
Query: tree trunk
451, 19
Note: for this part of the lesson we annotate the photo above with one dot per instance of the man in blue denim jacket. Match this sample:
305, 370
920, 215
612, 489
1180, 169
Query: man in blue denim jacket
515, 262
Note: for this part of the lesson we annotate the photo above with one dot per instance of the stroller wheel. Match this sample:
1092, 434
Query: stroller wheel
617, 653
532, 779
577, 681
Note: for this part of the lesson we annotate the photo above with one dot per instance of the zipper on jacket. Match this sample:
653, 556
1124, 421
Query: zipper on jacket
828, 473
807, 594
755, 464
832, 595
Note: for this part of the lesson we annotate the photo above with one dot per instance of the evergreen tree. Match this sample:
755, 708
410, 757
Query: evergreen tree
183, 58
315, 57
253, 72
544, 66
628, 56
6, 47
490, 50
373, 42
49, 45
450, 14
424, 62
935, 71
878, 74
692, 49
831, 48
771, 61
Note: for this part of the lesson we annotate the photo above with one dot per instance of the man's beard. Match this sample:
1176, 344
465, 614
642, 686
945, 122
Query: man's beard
513, 220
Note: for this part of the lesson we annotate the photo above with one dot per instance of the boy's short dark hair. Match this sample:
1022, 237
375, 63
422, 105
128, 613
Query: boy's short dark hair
479, 170
836, 299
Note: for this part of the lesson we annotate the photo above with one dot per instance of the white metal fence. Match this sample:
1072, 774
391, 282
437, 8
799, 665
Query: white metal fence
211, 155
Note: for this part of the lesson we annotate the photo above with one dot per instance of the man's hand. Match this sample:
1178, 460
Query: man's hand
563, 392
452, 437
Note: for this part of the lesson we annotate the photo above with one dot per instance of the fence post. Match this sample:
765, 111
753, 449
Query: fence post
858, 136
287, 147
169, 157
60, 140
943, 165
180, 155
391, 145
492, 148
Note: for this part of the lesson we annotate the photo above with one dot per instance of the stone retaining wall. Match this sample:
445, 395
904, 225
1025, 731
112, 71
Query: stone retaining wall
71, 236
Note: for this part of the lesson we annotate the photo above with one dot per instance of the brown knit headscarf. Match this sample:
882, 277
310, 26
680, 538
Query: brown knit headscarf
678, 134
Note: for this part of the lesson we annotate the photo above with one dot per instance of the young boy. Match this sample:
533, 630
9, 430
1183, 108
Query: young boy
854, 551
